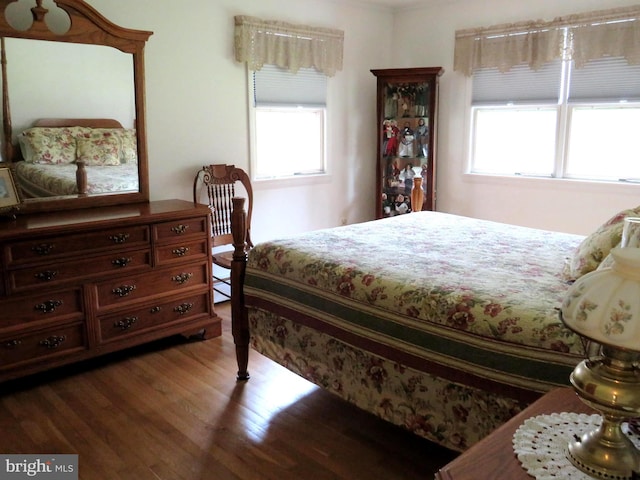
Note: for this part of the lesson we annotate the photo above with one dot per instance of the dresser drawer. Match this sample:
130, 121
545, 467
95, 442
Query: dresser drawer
140, 320
137, 287
78, 244
182, 251
56, 341
172, 231
42, 307
68, 271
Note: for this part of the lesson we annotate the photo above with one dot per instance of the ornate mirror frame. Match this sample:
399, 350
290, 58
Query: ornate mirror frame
87, 26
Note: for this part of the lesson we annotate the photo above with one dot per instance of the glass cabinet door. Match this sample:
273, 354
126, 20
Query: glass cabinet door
406, 113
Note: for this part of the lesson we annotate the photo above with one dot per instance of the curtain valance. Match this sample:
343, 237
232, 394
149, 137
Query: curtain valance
259, 42
582, 37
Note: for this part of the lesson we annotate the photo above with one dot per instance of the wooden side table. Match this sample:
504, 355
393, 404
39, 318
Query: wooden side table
493, 456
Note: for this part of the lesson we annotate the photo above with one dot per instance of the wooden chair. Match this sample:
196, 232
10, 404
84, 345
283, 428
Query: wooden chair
220, 182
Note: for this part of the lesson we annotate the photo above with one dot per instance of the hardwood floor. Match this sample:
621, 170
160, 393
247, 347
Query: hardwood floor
173, 410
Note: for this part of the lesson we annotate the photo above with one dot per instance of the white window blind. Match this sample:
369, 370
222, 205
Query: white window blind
519, 85
275, 86
605, 79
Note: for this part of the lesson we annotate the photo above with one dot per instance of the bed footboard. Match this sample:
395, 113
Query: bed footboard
239, 319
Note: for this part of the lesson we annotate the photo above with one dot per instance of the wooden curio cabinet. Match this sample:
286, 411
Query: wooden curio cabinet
406, 156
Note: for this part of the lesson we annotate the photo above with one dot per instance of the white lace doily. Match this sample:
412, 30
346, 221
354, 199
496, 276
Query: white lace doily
540, 444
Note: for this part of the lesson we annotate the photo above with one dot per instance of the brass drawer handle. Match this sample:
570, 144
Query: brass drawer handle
121, 262
123, 290
46, 276
126, 323
183, 308
119, 238
179, 229
180, 252
54, 341
49, 306
182, 278
11, 344
155, 309
43, 248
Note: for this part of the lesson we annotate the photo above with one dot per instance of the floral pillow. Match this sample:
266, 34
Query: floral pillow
128, 142
129, 146
49, 145
99, 148
595, 248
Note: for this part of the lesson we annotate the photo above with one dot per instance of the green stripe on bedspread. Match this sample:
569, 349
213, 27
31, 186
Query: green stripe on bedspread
475, 296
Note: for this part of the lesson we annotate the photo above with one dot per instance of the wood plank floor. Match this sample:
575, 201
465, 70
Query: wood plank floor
172, 410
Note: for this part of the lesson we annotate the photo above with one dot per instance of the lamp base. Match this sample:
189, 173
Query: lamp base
610, 385
605, 453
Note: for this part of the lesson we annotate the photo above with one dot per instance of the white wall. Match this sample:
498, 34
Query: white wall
197, 103
427, 36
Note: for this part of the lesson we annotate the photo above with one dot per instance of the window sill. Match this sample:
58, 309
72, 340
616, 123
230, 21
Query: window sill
566, 184
293, 181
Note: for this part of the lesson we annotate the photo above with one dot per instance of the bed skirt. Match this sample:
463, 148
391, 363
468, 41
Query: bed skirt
446, 412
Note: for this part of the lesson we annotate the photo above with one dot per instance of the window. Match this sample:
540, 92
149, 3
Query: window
289, 123
567, 117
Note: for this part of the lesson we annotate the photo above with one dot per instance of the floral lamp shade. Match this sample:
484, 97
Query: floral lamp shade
604, 305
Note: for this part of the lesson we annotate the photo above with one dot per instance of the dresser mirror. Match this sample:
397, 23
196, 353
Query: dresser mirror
73, 104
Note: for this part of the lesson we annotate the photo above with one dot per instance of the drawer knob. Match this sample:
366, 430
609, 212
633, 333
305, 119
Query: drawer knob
11, 344
43, 248
179, 229
123, 290
46, 276
54, 341
182, 278
121, 262
49, 306
155, 309
119, 238
180, 252
183, 308
126, 323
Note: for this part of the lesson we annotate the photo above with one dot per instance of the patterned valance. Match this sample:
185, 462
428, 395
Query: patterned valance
259, 42
581, 37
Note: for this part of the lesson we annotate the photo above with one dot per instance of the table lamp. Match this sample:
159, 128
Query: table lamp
604, 307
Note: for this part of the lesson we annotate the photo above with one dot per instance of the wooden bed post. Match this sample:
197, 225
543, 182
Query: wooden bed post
239, 319
81, 178
7, 146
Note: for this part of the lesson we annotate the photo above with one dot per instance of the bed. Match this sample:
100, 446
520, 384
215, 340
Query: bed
61, 157
449, 335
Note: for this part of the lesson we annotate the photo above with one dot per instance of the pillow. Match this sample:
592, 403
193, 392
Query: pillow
48, 145
99, 148
128, 142
129, 146
595, 248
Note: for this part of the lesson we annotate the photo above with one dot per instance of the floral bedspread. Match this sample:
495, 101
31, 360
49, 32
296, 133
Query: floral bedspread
444, 324
39, 180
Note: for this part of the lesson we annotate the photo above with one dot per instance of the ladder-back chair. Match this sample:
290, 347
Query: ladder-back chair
219, 181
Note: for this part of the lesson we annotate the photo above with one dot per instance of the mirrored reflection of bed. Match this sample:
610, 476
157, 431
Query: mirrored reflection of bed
76, 139
61, 157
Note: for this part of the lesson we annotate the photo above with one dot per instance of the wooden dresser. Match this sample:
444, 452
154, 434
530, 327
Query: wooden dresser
80, 283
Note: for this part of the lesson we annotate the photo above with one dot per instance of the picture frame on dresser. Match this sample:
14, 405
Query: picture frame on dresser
8, 192
9, 198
